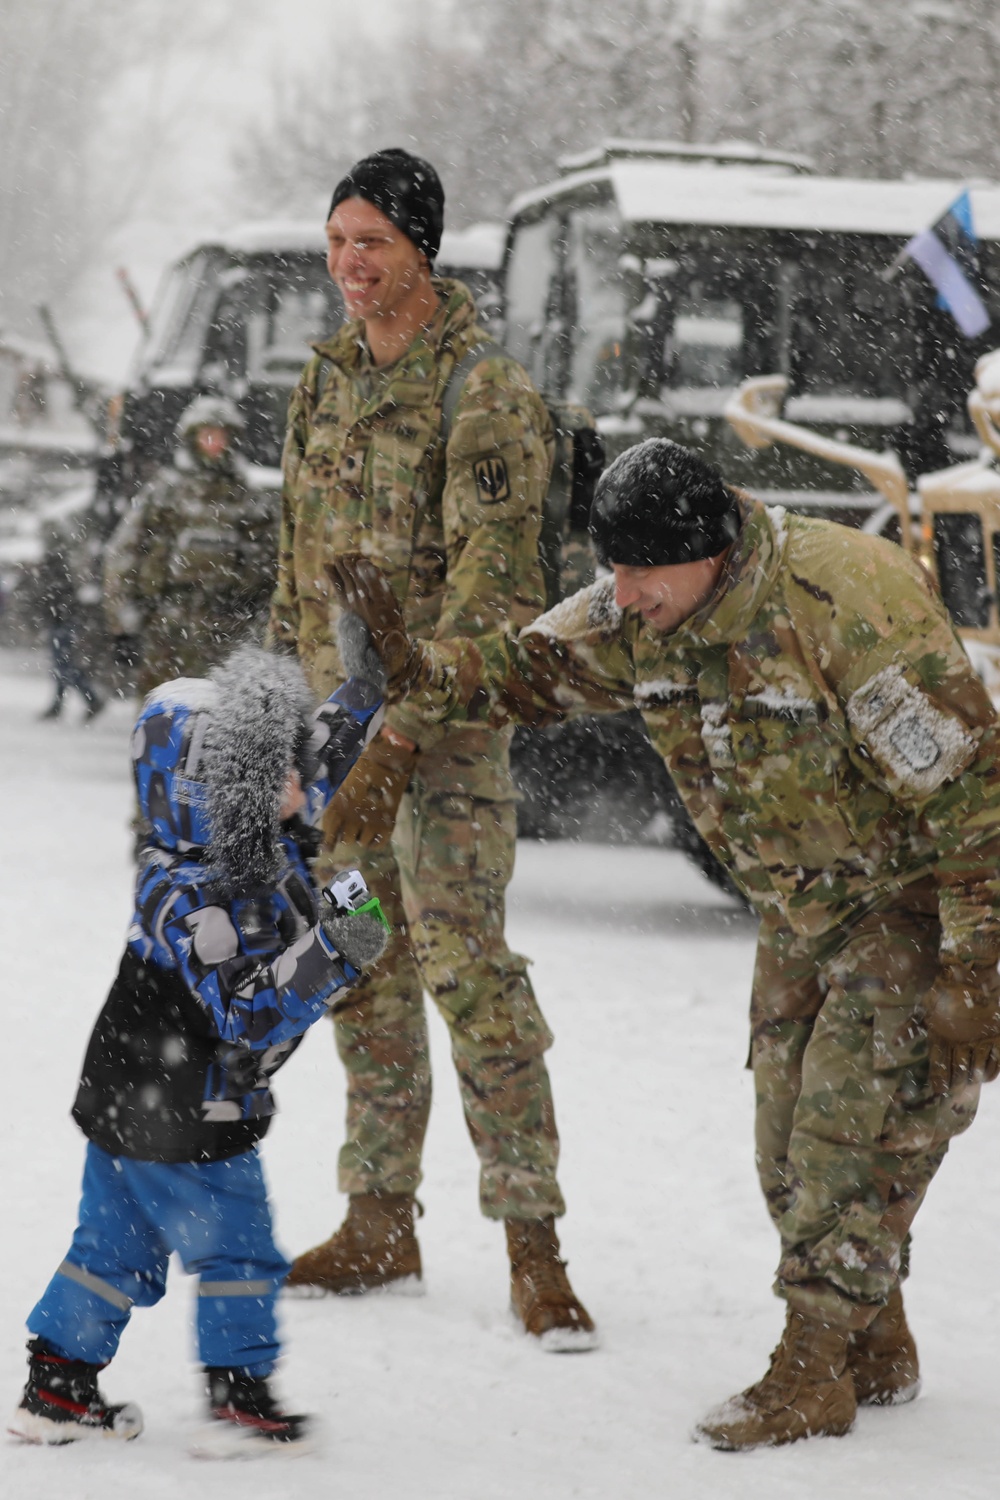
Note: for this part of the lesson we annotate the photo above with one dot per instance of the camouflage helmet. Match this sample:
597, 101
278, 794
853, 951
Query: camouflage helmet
209, 411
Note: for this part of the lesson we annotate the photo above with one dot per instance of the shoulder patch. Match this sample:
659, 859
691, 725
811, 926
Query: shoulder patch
591, 610
909, 737
492, 479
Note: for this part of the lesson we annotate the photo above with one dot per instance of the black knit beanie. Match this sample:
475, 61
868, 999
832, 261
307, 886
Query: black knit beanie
660, 504
403, 187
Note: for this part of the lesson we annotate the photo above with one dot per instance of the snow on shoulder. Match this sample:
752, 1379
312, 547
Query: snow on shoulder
591, 610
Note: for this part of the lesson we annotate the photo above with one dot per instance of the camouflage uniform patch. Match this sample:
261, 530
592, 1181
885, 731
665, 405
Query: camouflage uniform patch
365, 470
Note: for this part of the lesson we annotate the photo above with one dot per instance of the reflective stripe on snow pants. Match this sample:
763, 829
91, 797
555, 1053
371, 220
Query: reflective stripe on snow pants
133, 1214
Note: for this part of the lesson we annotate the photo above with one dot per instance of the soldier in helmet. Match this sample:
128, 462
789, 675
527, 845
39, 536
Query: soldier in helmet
190, 568
455, 516
837, 751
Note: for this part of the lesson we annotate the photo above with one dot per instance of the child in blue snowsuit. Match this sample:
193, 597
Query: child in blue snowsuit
230, 957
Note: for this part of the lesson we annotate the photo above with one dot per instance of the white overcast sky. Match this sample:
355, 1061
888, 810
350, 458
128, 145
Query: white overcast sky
204, 94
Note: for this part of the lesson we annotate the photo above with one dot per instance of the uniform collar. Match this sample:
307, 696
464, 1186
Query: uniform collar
455, 313
746, 581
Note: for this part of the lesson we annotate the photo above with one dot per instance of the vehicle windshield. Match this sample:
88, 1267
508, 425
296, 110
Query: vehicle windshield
180, 320
851, 332
529, 288
294, 304
598, 306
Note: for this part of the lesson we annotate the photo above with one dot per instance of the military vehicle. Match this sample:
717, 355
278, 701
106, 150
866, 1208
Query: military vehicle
649, 279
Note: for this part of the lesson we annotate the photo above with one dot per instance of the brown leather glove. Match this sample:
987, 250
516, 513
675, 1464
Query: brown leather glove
364, 589
363, 809
962, 1010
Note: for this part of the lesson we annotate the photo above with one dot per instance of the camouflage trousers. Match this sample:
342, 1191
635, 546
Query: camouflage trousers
848, 1134
442, 885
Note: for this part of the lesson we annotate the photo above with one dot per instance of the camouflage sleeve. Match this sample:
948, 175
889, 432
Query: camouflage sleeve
135, 560
498, 461
576, 659
922, 726
283, 621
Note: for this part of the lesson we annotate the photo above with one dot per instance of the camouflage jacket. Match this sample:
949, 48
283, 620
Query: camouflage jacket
456, 529
818, 715
196, 542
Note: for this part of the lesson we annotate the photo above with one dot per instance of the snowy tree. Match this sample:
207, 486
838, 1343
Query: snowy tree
877, 90
82, 118
493, 92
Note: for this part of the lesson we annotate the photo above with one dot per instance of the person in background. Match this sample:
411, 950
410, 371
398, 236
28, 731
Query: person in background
58, 593
190, 568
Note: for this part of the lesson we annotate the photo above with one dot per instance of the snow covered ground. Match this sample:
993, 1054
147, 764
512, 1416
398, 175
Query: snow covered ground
643, 971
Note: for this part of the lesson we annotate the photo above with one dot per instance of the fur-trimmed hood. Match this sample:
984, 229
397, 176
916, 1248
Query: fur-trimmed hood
210, 758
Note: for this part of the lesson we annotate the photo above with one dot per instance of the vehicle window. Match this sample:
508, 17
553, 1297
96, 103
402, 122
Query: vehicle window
529, 293
961, 564
851, 332
294, 306
705, 344
180, 323
596, 293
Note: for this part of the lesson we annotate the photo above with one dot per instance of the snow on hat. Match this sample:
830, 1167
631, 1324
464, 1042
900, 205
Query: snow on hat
209, 411
403, 187
660, 504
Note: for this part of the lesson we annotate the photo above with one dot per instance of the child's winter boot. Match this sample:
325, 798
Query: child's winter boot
245, 1420
61, 1402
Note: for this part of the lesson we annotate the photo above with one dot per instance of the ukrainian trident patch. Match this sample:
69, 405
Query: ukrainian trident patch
492, 480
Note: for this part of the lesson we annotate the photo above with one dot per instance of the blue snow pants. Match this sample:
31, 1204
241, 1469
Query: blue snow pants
215, 1215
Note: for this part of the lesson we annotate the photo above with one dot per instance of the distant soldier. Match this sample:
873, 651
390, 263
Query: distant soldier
190, 569
454, 514
61, 601
837, 751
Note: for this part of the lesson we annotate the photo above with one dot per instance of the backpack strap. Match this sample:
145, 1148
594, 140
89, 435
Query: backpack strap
488, 349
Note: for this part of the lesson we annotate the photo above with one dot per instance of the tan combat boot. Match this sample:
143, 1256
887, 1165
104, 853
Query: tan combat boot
807, 1392
540, 1294
882, 1360
374, 1247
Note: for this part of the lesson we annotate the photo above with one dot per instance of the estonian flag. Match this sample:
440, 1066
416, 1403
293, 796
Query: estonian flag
948, 255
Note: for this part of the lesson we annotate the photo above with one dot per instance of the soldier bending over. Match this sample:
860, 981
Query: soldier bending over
835, 748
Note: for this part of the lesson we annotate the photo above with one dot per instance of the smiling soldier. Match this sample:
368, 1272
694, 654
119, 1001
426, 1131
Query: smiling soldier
452, 513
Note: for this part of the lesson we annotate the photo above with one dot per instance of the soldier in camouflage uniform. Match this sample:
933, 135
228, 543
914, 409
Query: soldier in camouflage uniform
190, 569
837, 751
454, 520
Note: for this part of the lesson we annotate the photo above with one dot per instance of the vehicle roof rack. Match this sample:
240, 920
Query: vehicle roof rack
620, 148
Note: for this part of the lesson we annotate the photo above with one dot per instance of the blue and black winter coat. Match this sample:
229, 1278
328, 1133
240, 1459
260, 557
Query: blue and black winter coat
227, 962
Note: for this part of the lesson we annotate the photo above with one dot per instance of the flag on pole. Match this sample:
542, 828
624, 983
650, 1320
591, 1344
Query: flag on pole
948, 255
